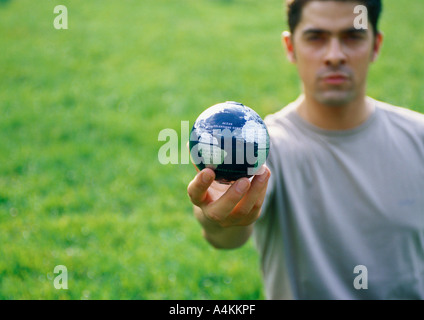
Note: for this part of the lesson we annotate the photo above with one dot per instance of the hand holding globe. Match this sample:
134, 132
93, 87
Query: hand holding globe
226, 202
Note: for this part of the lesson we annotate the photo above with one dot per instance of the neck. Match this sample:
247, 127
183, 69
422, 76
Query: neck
343, 117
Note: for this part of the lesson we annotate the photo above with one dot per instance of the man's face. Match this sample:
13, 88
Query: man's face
331, 55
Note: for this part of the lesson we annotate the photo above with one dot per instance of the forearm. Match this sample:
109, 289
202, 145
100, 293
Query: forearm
222, 237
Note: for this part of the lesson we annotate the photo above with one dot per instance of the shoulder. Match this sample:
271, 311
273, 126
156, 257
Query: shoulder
287, 139
280, 124
277, 118
401, 116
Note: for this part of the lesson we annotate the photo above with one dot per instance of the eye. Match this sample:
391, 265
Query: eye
315, 37
354, 36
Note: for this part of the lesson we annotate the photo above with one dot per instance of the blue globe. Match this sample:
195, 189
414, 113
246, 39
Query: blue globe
231, 139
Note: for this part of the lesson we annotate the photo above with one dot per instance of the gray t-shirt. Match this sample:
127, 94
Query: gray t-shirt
344, 213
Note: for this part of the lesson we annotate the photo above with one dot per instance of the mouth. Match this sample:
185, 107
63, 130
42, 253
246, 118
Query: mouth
335, 79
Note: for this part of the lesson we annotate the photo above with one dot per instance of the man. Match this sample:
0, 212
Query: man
342, 215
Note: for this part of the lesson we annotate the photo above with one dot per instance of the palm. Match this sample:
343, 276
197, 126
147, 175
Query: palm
215, 191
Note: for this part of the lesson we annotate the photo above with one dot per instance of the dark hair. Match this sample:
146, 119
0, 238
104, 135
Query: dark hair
294, 11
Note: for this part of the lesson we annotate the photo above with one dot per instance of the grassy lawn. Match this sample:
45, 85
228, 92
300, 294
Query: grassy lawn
80, 113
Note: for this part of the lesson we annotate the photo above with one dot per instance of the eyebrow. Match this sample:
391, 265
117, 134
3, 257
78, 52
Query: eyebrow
316, 31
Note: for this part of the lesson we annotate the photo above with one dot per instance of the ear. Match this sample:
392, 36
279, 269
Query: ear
377, 46
287, 40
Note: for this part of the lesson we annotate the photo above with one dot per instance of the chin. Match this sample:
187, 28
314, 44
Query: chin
335, 99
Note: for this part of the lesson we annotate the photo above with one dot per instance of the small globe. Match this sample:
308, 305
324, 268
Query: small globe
231, 139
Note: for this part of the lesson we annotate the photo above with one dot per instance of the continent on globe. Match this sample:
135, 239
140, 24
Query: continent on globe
231, 139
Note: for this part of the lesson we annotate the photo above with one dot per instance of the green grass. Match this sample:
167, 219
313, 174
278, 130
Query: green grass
80, 114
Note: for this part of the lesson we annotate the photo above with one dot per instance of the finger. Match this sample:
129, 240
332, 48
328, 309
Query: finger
198, 187
249, 207
261, 170
220, 209
262, 176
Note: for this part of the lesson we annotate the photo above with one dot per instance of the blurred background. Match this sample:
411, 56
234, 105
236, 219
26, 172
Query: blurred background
80, 114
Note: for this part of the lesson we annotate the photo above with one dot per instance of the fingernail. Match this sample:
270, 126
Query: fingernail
263, 177
206, 178
242, 186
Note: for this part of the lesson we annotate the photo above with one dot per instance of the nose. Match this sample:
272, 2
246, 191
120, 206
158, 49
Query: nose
335, 55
